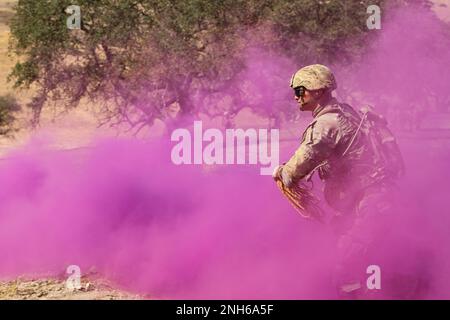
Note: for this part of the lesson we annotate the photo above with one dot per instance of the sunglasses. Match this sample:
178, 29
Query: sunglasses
299, 91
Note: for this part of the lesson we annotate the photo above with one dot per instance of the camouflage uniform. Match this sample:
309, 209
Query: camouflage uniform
323, 144
333, 146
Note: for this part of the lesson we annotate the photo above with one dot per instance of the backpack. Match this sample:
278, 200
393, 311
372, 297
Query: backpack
386, 153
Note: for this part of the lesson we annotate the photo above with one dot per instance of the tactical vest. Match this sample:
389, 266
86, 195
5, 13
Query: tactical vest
368, 156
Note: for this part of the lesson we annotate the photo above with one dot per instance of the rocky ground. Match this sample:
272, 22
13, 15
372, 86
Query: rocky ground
56, 289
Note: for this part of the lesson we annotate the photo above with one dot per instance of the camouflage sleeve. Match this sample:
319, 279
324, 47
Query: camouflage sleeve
318, 142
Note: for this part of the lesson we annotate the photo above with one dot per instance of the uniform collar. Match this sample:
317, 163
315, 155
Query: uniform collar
326, 107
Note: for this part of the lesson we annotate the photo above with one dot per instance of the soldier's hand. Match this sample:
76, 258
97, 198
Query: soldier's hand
276, 175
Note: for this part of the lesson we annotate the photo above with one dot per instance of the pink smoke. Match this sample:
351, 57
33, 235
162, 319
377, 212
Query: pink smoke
153, 227
184, 232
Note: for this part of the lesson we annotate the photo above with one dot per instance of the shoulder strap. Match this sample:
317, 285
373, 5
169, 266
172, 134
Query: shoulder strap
363, 118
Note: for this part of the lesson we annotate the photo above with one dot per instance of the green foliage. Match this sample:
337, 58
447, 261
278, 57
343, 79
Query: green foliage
327, 30
8, 108
138, 57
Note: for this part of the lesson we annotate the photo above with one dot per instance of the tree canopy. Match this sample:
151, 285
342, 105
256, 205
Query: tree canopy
139, 58
8, 109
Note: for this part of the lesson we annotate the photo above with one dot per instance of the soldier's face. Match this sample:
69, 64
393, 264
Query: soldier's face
307, 101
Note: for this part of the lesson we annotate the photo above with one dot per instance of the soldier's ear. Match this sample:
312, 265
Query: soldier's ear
323, 92
318, 93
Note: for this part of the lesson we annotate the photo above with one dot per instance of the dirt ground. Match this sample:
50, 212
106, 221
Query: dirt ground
56, 289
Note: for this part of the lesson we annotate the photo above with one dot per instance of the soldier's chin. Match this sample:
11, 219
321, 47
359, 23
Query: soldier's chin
303, 106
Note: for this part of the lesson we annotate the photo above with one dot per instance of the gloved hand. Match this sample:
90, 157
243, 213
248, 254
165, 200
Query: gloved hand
276, 175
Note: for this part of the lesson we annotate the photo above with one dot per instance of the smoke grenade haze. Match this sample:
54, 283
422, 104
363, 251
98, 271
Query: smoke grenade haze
185, 232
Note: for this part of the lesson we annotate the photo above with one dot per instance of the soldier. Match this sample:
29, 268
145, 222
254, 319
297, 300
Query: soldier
358, 169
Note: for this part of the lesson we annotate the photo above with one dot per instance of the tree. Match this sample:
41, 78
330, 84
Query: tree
8, 108
139, 58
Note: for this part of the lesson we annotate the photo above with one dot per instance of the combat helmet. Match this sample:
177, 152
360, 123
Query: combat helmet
314, 77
